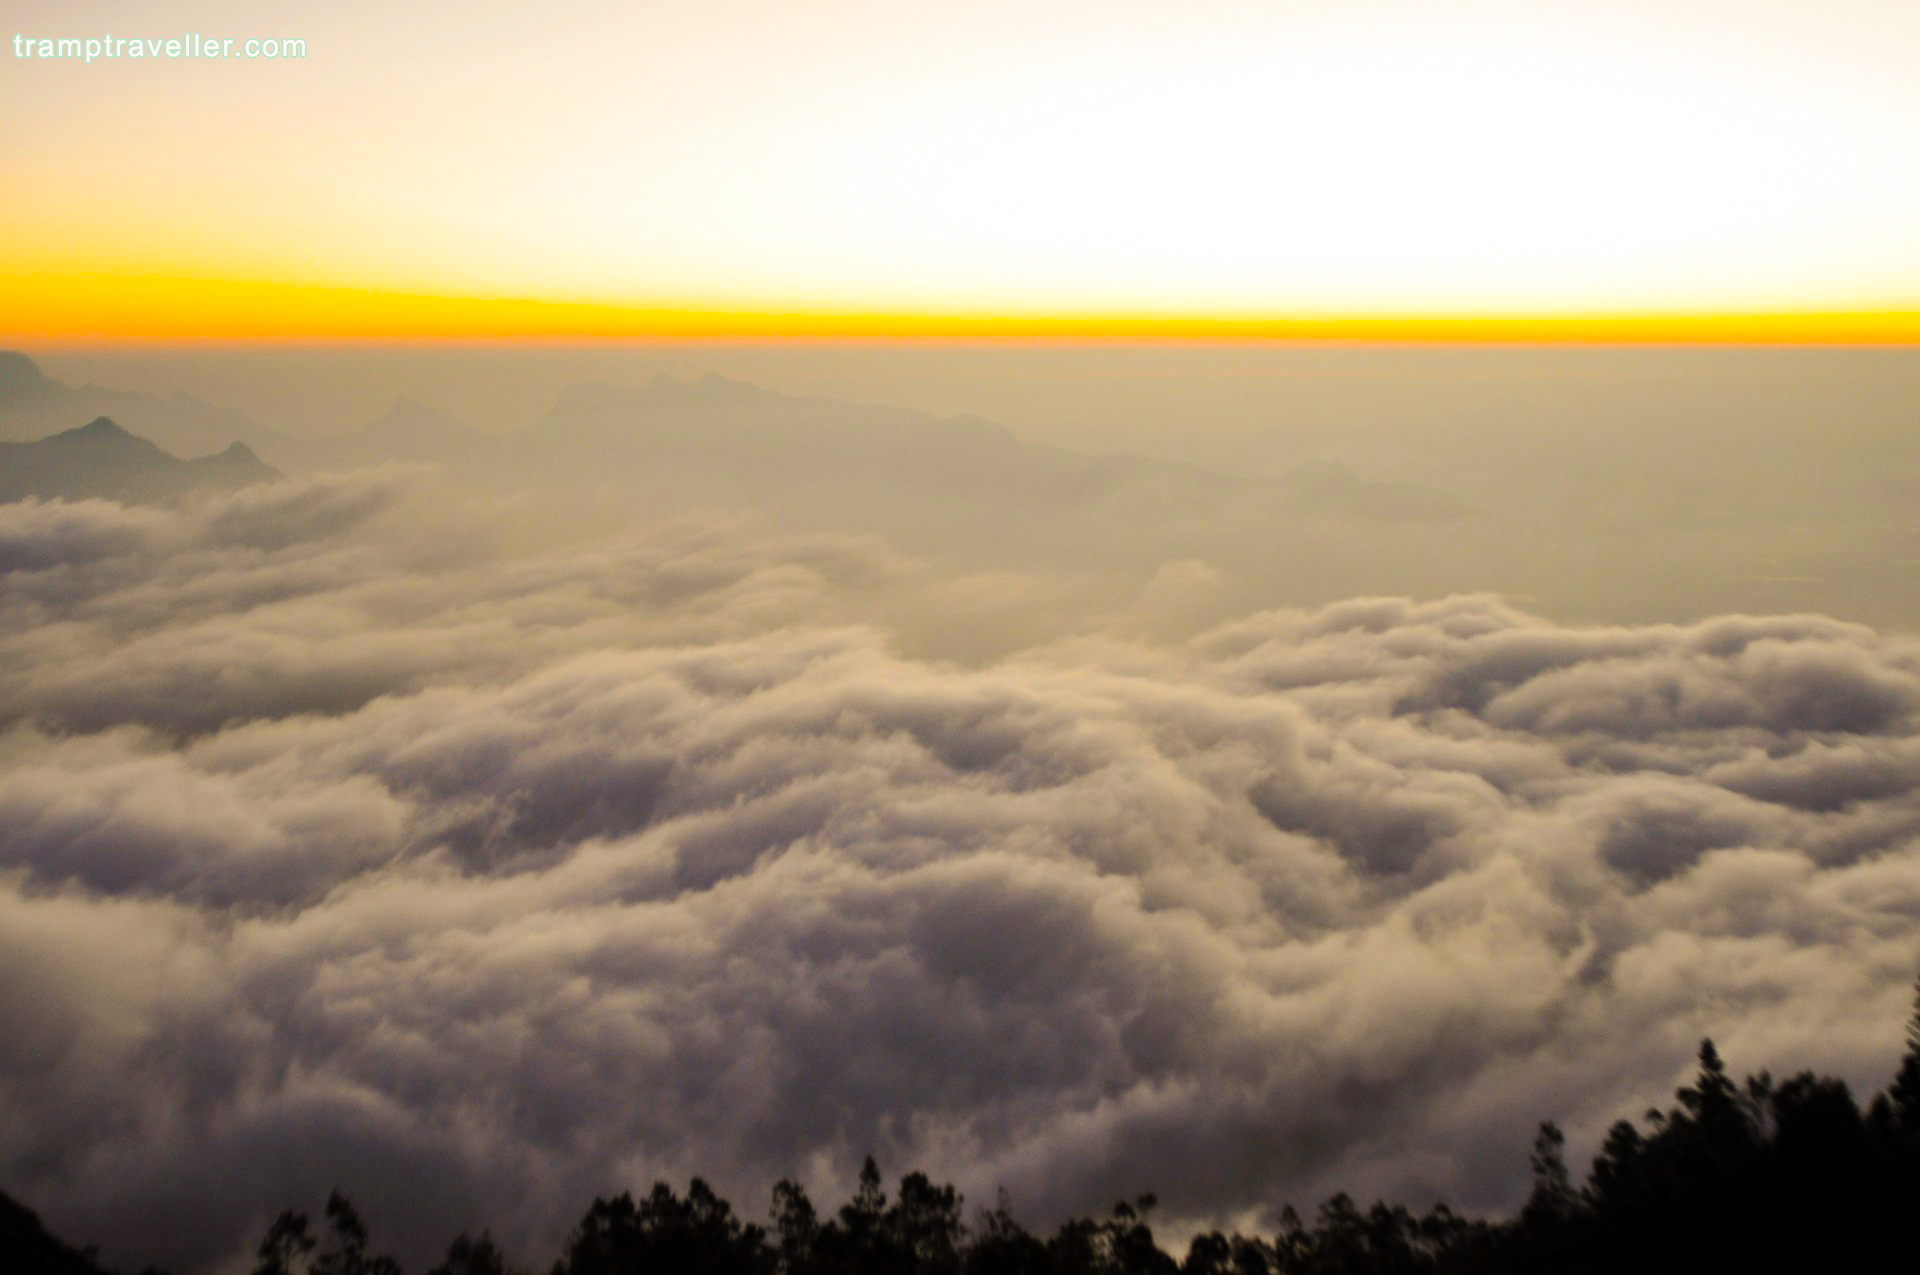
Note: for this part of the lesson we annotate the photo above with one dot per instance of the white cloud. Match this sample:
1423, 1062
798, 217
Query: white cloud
479, 889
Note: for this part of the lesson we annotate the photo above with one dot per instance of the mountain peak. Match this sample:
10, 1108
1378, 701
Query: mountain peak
99, 459
102, 437
100, 442
237, 466
100, 427
22, 380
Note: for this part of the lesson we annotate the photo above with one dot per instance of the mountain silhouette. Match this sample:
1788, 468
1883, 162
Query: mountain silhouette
101, 459
33, 404
716, 444
728, 441
408, 431
22, 383
739, 440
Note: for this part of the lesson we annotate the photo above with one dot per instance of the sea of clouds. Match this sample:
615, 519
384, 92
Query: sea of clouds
337, 851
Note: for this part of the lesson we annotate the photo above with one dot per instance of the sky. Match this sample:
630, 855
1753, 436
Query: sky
848, 167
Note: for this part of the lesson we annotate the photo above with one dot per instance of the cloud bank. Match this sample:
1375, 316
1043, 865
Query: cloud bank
332, 853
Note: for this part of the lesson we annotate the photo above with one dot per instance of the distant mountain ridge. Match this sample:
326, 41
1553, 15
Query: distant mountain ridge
34, 405
716, 442
22, 382
408, 431
719, 426
102, 460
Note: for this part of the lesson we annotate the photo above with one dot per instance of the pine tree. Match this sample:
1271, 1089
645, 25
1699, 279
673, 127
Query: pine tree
1904, 1094
286, 1246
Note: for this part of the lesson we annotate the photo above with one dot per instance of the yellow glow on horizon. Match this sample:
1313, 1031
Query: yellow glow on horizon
88, 309
1218, 162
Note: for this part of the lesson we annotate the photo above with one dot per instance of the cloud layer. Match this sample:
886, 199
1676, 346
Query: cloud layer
475, 884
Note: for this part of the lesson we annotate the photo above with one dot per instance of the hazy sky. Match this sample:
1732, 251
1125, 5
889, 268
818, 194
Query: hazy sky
1370, 156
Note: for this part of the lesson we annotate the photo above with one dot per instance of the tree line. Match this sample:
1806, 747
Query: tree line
1762, 1175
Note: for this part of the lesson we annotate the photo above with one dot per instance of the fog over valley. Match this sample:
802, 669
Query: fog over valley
480, 780
1603, 484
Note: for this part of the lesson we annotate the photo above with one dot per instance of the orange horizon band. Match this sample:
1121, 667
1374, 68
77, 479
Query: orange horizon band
103, 308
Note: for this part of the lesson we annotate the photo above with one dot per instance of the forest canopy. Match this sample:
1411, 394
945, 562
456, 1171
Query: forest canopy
1765, 1174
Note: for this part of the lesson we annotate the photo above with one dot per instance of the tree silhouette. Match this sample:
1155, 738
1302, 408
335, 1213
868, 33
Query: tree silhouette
1768, 1175
1001, 1246
1217, 1254
1903, 1095
468, 1256
284, 1249
796, 1225
924, 1226
663, 1233
1120, 1245
346, 1252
